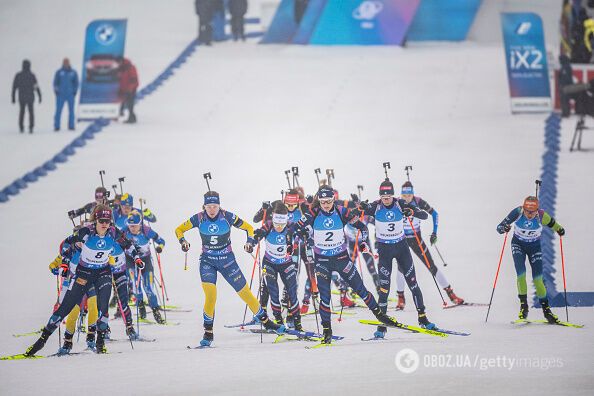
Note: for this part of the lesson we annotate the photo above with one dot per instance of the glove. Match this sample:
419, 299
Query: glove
364, 205
248, 247
354, 198
290, 249
159, 248
64, 267
56, 271
266, 205
433, 238
503, 228
363, 248
139, 263
185, 245
309, 199
561, 231
408, 212
259, 234
303, 233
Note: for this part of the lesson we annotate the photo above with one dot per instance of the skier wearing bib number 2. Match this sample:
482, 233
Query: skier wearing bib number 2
214, 225
326, 222
390, 215
528, 220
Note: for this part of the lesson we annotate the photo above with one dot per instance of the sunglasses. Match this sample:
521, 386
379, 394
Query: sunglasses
104, 221
291, 206
327, 201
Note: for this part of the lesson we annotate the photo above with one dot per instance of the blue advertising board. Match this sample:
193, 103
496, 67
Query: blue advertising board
105, 40
526, 62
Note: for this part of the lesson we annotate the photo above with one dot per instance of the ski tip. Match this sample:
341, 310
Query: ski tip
21, 356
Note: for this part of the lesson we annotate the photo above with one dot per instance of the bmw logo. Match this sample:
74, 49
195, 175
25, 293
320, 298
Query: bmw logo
328, 223
105, 34
213, 228
280, 239
100, 244
390, 215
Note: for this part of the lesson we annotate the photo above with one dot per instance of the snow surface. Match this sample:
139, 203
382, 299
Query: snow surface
246, 113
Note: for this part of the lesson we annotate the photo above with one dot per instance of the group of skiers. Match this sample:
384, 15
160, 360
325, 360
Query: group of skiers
111, 250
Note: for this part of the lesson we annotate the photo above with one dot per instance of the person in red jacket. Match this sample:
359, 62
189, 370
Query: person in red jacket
128, 80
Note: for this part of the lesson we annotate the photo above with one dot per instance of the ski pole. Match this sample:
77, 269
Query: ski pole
563, 272
161, 273
445, 304
58, 302
258, 294
251, 280
186, 262
355, 248
496, 276
138, 276
440, 256
162, 284
117, 296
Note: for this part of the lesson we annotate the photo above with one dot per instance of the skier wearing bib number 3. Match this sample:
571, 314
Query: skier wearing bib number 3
326, 222
528, 220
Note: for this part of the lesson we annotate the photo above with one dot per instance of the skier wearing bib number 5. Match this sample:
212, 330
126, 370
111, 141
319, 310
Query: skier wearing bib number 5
528, 220
214, 225
326, 222
390, 215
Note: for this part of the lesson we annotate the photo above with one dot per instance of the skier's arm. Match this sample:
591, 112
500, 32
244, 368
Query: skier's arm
352, 217
427, 208
550, 222
242, 225
505, 224
416, 211
186, 226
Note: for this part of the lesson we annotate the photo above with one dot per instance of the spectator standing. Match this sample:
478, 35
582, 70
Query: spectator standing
65, 88
237, 9
25, 83
128, 84
205, 12
565, 79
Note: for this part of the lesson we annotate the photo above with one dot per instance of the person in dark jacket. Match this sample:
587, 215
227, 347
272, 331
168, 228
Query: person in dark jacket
128, 80
565, 79
237, 9
65, 87
205, 12
25, 83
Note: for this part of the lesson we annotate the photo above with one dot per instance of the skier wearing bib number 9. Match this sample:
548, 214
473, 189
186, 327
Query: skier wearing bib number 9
528, 220
96, 244
326, 222
214, 225
390, 216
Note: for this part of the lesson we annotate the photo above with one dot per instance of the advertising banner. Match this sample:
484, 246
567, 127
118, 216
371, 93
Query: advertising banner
104, 44
526, 61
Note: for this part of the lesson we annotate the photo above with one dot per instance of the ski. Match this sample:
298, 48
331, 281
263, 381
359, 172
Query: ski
373, 339
320, 345
200, 347
543, 321
466, 304
344, 313
250, 323
286, 337
310, 334
21, 356
27, 334
152, 322
403, 326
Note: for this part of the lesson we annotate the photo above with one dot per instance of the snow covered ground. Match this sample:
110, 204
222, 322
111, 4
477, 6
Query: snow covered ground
246, 113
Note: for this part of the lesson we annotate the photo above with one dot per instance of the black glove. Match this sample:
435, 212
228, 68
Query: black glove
364, 205
290, 249
309, 199
259, 234
266, 205
303, 233
354, 198
248, 247
159, 248
433, 238
353, 214
503, 228
185, 245
408, 212
561, 231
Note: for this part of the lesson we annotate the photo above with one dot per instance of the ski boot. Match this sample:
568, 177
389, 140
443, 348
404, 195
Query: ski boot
523, 306
141, 309
67, 347
304, 307
131, 333
425, 323
268, 324
326, 333
453, 297
36, 347
345, 301
208, 336
380, 333
401, 301
548, 314
91, 340
297, 323
100, 344
278, 318
157, 315
382, 317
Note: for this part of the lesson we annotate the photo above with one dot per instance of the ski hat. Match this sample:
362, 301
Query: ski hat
101, 193
212, 197
291, 199
102, 212
325, 192
407, 188
127, 200
386, 188
134, 218
530, 204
